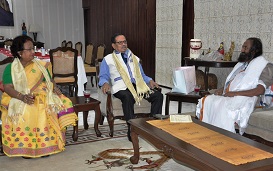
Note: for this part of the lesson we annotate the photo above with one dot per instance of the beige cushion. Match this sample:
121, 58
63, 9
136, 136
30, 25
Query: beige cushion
262, 119
90, 69
261, 124
265, 134
64, 79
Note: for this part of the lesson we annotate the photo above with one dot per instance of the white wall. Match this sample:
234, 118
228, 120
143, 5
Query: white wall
233, 20
168, 39
58, 19
215, 21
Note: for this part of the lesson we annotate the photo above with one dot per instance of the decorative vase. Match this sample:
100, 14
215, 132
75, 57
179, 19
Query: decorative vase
195, 46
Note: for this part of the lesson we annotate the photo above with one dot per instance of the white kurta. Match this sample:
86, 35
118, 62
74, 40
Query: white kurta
223, 111
118, 84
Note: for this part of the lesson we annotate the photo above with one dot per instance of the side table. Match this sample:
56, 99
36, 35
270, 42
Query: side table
208, 64
180, 97
80, 105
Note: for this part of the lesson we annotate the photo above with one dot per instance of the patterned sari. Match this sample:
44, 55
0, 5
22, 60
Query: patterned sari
37, 131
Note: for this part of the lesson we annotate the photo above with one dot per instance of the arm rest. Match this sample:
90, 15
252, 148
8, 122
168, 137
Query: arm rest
106, 102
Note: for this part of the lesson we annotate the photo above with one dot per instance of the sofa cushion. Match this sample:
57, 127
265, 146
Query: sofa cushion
262, 119
265, 134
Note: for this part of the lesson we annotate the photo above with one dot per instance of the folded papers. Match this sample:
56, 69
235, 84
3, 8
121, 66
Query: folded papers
180, 118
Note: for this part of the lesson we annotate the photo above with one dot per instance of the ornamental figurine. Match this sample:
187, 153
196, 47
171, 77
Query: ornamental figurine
228, 55
221, 48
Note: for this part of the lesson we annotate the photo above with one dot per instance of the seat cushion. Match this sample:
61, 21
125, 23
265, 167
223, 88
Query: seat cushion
265, 134
90, 69
64, 79
144, 107
262, 119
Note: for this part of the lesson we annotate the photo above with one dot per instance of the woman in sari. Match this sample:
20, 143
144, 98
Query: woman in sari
35, 113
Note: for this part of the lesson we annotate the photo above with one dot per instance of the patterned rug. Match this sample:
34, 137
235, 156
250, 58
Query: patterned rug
120, 159
116, 157
87, 136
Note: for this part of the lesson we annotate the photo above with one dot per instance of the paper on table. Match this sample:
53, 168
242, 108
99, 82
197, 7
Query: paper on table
180, 118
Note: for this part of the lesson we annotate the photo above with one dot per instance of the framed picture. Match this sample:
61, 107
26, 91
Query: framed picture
6, 13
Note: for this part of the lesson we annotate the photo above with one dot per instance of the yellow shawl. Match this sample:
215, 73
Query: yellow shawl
19, 79
141, 87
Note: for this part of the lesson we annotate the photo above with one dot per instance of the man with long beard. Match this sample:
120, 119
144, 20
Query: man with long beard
236, 100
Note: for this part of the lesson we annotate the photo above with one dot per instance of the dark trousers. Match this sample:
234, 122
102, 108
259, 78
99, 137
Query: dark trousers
128, 101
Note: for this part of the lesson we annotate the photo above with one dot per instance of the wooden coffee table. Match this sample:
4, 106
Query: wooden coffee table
80, 105
190, 155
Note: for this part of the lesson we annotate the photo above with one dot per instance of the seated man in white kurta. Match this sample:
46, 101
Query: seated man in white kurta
122, 73
236, 101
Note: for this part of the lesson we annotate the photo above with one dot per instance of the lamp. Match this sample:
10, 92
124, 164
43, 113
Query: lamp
34, 29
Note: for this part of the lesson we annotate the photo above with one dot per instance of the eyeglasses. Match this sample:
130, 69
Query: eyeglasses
30, 49
121, 42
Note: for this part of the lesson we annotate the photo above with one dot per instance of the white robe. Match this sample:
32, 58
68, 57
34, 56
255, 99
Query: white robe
223, 111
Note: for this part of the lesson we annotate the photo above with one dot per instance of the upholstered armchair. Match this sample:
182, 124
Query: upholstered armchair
65, 68
78, 47
1, 147
111, 108
69, 44
63, 43
3, 65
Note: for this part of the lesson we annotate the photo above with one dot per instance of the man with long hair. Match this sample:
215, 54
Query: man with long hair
236, 100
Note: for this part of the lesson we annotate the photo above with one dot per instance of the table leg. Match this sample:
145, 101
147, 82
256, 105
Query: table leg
167, 105
135, 158
85, 123
179, 106
206, 78
97, 120
75, 130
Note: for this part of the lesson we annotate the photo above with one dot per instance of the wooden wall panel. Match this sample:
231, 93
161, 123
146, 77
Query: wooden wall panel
135, 19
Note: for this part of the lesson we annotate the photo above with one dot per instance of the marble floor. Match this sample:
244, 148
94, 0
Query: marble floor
74, 157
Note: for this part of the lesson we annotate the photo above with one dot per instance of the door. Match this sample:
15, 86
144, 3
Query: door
136, 19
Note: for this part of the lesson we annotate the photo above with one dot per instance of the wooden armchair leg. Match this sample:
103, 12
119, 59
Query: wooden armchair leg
101, 120
110, 120
92, 81
70, 90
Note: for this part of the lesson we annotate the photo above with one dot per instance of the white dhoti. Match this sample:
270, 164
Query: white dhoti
223, 111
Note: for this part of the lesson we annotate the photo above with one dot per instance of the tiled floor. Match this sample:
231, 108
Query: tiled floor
186, 107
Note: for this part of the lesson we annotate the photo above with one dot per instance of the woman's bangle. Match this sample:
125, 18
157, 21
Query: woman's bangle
18, 95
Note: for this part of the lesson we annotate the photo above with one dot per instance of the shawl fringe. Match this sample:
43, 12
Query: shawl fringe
142, 90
